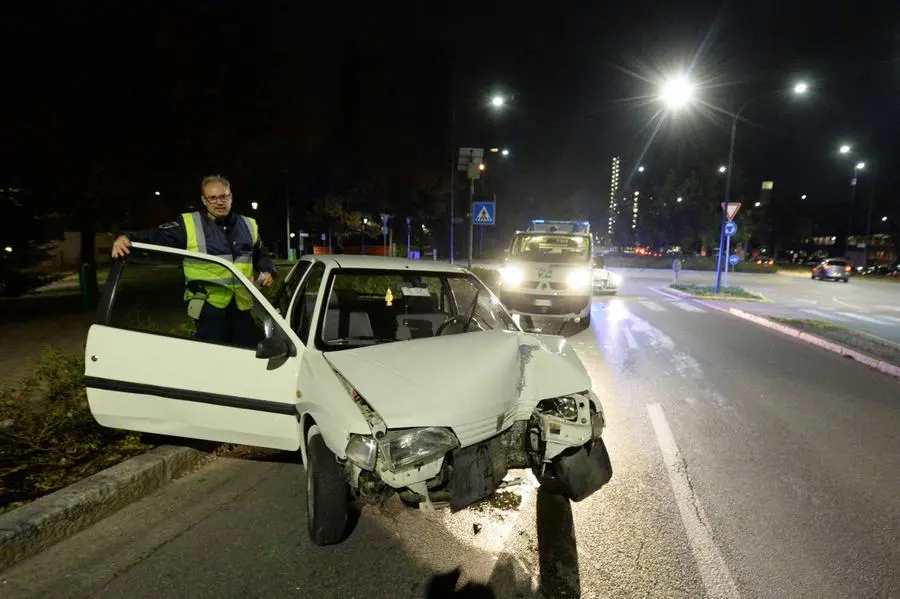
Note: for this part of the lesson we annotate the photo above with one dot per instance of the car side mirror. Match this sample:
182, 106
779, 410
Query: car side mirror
271, 348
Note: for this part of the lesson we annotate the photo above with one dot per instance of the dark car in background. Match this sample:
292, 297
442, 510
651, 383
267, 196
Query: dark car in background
837, 269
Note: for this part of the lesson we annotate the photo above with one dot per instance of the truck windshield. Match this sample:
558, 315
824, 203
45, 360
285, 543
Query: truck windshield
543, 247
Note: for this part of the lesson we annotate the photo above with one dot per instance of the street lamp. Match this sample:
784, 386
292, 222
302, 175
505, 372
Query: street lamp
505, 152
498, 102
156, 193
677, 92
884, 219
254, 205
844, 149
799, 89
757, 204
803, 197
679, 199
640, 169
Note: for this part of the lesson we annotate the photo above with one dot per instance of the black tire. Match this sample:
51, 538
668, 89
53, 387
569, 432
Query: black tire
586, 321
327, 492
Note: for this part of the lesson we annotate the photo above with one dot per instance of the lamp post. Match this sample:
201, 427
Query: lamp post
362, 237
408, 234
498, 102
799, 89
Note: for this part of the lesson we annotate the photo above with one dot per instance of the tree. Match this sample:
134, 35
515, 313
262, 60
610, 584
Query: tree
26, 237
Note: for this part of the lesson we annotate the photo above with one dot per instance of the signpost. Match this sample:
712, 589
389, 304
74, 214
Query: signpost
408, 234
730, 229
733, 259
471, 161
729, 210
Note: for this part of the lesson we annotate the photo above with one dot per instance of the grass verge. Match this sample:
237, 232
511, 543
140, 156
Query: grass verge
709, 292
875, 347
48, 436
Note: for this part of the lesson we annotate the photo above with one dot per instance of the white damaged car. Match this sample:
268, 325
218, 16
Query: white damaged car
390, 376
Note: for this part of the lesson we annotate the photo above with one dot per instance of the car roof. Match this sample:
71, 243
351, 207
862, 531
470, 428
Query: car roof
384, 263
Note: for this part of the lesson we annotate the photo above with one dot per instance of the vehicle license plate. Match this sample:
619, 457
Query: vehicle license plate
543, 303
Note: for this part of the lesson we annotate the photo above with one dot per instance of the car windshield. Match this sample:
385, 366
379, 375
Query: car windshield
543, 247
367, 306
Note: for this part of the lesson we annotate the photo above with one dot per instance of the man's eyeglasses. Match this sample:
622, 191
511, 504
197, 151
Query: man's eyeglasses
222, 198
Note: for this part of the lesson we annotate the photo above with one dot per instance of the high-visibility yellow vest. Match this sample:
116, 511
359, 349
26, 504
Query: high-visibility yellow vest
220, 285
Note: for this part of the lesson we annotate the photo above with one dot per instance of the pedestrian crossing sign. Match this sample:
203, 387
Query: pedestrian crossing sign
484, 213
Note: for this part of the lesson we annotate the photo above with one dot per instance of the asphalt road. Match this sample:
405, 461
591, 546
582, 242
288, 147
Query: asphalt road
747, 464
871, 306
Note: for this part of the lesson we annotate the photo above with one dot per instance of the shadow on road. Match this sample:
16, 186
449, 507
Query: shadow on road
557, 548
444, 585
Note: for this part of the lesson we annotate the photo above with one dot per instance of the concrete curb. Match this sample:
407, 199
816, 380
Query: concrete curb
879, 365
32, 528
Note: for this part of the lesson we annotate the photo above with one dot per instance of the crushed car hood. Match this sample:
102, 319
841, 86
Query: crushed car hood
461, 379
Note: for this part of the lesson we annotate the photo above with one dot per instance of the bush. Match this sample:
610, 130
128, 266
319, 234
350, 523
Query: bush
48, 436
710, 291
704, 263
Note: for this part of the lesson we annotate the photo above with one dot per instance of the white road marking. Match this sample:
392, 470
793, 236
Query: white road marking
665, 293
851, 306
652, 306
897, 308
713, 570
863, 318
632, 342
824, 315
806, 301
891, 318
688, 307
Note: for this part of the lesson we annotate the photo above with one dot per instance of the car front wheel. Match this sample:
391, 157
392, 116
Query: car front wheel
327, 492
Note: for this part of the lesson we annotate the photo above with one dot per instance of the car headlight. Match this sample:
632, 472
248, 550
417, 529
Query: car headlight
362, 451
579, 279
564, 407
404, 448
512, 275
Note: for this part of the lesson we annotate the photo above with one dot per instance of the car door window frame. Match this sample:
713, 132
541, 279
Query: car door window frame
104, 311
299, 303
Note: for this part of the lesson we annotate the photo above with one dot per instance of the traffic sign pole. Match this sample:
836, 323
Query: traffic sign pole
471, 218
730, 229
727, 253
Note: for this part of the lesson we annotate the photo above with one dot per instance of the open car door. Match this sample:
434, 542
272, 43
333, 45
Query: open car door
156, 363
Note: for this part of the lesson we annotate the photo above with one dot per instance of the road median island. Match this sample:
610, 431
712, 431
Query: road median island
708, 292
878, 354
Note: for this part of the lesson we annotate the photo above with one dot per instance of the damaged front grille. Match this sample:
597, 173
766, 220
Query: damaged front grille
476, 472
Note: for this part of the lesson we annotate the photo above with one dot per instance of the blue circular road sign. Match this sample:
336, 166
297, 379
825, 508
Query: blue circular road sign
733, 259
730, 228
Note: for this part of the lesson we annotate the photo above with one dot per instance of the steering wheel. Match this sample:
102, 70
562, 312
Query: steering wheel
459, 319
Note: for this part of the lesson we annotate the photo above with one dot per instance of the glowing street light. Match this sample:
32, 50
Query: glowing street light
860, 166
680, 199
801, 87
481, 167
844, 149
758, 204
884, 219
505, 152
293, 235
8, 250
803, 197
640, 169
254, 205
677, 92
156, 193
722, 169
498, 101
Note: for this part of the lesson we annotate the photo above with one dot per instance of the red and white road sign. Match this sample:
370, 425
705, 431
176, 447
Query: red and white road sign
731, 209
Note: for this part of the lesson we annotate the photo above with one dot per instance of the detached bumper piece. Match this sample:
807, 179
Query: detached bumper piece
476, 473
579, 475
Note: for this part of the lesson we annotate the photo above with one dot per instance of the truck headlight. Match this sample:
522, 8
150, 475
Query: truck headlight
512, 275
362, 451
404, 448
579, 279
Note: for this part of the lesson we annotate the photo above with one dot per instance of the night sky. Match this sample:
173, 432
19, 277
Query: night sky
161, 94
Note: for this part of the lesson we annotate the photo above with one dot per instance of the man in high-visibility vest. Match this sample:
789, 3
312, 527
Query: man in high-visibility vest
219, 302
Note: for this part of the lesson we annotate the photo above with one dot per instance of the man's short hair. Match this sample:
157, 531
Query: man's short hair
213, 179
